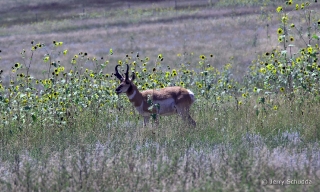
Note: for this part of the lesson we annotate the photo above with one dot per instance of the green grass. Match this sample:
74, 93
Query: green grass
63, 128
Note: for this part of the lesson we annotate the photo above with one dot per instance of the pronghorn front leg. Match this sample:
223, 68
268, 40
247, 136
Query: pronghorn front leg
146, 120
190, 120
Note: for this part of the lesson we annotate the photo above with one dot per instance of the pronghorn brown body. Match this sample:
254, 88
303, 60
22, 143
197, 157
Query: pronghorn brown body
171, 100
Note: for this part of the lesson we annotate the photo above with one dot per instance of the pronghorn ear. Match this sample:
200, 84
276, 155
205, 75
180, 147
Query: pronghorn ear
133, 76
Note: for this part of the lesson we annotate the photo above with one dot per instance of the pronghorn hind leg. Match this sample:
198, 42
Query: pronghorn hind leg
185, 114
191, 121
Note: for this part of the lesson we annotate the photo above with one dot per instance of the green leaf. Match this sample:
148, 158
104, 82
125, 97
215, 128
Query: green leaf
154, 116
208, 87
315, 36
34, 118
309, 68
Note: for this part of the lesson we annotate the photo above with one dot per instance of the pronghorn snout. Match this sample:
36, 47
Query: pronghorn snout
118, 90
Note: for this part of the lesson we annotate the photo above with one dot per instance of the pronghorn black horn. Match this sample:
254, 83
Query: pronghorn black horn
117, 73
127, 73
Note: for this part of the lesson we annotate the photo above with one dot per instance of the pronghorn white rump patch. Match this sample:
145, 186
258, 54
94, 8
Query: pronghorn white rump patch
191, 95
132, 95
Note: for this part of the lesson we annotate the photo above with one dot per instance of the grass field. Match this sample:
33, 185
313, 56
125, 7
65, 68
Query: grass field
253, 66
148, 28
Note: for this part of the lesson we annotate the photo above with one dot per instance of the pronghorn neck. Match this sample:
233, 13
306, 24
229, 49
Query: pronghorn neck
134, 95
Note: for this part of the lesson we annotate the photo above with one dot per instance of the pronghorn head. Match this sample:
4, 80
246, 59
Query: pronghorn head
125, 82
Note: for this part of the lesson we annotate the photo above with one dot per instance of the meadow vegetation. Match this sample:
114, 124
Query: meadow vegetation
63, 128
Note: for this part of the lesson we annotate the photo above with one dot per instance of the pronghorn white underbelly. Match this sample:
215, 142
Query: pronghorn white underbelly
167, 107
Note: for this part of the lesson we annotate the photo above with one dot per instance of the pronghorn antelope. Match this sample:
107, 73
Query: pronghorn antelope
171, 100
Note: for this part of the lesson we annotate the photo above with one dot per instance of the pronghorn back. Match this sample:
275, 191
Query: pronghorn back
179, 94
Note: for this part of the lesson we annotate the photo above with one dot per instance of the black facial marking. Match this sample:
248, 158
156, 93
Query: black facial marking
129, 89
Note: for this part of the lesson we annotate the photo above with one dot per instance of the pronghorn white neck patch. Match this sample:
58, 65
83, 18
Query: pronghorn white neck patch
132, 95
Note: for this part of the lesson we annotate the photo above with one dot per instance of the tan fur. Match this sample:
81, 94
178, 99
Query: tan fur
172, 100
179, 94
